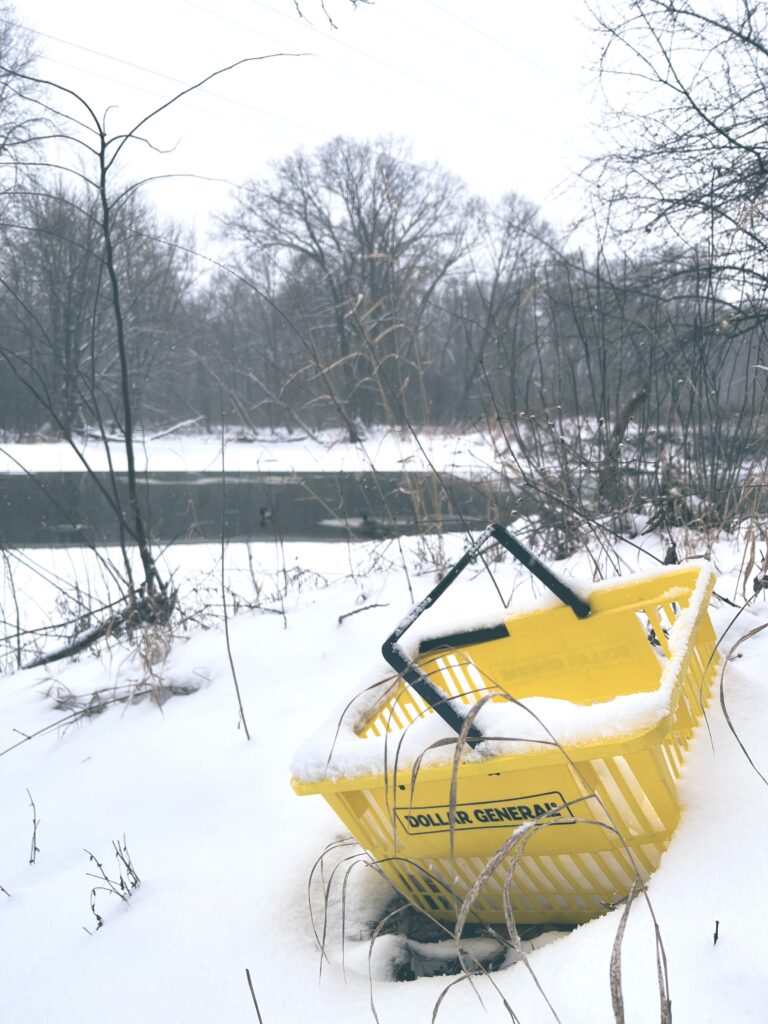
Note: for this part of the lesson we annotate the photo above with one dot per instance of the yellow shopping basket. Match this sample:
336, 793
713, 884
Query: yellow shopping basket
560, 831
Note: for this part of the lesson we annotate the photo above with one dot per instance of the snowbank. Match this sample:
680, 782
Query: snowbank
224, 848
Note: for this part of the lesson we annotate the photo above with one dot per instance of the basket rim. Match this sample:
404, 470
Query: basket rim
476, 763
494, 764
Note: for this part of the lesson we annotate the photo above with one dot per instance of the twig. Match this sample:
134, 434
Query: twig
118, 888
124, 859
142, 607
253, 995
34, 849
123, 887
617, 997
14, 596
357, 611
223, 579
177, 426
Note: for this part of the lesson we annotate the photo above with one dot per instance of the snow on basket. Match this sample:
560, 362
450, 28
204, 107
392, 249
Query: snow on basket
575, 718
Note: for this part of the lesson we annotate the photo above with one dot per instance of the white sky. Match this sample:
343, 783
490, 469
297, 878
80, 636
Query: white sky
497, 91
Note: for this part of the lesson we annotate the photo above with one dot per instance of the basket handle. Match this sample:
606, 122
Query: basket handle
395, 656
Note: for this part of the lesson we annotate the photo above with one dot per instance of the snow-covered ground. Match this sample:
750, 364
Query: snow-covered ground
386, 450
224, 848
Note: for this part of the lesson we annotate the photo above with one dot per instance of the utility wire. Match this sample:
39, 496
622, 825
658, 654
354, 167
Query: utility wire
304, 25
504, 46
454, 97
157, 74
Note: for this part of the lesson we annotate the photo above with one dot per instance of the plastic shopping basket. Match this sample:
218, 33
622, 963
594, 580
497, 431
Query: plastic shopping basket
562, 830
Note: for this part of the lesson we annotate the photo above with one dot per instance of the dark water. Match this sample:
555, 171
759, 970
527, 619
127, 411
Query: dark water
56, 509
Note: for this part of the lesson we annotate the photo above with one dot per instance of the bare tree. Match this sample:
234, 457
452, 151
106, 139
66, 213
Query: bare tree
513, 245
55, 312
59, 321
377, 233
91, 154
20, 119
687, 150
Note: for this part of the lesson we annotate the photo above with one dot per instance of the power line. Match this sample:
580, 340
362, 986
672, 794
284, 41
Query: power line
392, 67
306, 26
373, 83
158, 74
354, 75
497, 42
191, 106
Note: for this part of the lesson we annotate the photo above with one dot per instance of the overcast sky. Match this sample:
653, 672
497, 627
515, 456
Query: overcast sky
498, 91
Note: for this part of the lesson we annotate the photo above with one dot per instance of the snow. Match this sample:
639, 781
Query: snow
224, 848
278, 452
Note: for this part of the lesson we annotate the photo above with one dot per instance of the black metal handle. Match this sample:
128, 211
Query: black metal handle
395, 656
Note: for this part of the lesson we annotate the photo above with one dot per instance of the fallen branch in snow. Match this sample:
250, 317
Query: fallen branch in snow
93, 434
59, 723
175, 427
357, 611
88, 705
152, 609
81, 642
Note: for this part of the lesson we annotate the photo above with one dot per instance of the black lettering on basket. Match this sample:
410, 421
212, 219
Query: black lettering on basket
506, 813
